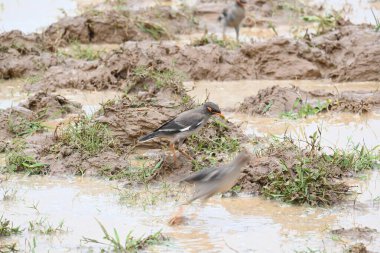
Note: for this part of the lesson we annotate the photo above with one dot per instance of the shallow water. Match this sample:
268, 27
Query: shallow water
358, 11
338, 129
30, 16
247, 224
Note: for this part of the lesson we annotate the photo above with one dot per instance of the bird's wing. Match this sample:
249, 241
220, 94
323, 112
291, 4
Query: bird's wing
202, 176
186, 121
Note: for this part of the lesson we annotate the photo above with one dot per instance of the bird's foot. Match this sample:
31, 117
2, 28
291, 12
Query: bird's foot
186, 154
176, 220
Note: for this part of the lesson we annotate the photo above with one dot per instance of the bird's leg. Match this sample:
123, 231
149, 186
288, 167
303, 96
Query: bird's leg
237, 29
224, 31
173, 151
177, 218
186, 154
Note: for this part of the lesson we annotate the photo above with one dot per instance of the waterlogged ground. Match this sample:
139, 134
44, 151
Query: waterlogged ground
72, 206
244, 224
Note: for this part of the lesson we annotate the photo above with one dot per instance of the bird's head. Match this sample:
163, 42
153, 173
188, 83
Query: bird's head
242, 3
212, 109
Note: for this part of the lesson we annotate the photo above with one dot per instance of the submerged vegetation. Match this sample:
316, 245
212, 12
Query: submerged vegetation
7, 228
129, 244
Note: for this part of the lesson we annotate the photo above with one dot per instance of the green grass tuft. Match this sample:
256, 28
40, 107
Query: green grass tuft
156, 31
86, 136
308, 175
18, 161
213, 39
7, 228
129, 244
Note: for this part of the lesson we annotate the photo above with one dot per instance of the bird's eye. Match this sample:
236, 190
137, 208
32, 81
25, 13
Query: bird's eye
209, 109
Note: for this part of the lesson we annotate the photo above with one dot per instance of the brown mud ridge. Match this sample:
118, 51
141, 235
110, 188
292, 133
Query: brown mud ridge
275, 100
119, 26
350, 53
266, 174
357, 233
48, 106
127, 120
27, 117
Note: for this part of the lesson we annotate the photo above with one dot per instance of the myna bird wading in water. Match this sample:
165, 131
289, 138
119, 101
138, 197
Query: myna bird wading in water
232, 17
184, 125
214, 180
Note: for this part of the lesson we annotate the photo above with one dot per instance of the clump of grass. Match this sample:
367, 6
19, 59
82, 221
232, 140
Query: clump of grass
208, 147
139, 174
33, 78
21, 126
18, 161
7, 228
213, 39
42, 226
161, 78
377, 25
8, 248
82, 52
130, 243
156, 31
308, 175
300, 111
87, 136
324, 23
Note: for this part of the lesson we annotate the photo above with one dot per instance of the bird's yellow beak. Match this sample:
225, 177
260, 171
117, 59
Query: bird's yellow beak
220, 115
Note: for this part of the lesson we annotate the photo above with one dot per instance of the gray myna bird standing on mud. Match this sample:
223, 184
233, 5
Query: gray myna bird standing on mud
232, 17
184, 125
213, 180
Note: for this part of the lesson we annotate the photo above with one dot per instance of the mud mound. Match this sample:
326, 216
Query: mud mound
91, 27
15, 121
272, 101
113, 26
22, 55
356, 233
355, 50
281, 167
275, 101
358, 248
48, 106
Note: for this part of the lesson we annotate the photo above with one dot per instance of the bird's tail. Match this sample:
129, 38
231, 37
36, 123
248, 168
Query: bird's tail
148, 137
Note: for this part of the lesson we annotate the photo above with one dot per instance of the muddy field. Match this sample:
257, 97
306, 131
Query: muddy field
300, 92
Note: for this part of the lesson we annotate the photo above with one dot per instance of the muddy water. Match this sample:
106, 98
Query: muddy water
12, 93
29, 16
358, 11
249, 224
338, 129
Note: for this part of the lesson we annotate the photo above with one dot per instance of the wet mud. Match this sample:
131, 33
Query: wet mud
276, 100
339, 55
48, 106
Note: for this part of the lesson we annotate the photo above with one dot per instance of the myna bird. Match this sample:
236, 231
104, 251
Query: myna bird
232, 17
184, 125
214, 180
